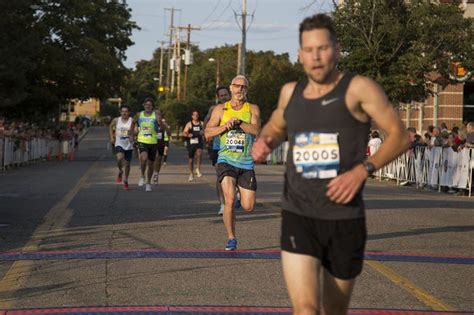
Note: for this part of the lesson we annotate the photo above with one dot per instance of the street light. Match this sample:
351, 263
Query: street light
217, 61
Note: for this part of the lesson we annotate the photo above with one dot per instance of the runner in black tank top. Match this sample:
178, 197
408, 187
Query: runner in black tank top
326, 120
194, 132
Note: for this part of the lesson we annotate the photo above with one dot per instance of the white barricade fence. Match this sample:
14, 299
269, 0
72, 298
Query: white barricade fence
422, 166
15, 152
435, 167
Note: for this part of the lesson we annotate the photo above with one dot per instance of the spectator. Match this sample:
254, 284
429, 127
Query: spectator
444, 127
470, 134
374, 142
414, 138
427, 139
436, 140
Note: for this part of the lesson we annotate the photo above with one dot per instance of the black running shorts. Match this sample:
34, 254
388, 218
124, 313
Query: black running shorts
338, 244
126, 153
150, 149
192, 149
244, 178
160, 148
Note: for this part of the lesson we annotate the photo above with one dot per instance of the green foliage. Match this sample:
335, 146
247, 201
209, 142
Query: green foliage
62, 49
267, 72
402, 44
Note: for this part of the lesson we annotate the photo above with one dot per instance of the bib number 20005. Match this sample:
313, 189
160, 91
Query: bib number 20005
316, 155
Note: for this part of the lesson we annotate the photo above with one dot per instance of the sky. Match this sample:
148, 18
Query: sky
274, 25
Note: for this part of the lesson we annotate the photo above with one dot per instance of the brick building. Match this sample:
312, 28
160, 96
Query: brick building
453, 104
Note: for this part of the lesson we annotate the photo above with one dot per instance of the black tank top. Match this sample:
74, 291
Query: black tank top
196, 131
324, 117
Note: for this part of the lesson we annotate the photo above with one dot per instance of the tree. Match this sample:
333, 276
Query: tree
401, 44
267, 72
72, 49
19, 47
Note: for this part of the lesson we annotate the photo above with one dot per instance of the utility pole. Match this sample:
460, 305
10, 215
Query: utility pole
178, 65
244, 28
160, 78
244, 37
171, 33
188, 45
175, 64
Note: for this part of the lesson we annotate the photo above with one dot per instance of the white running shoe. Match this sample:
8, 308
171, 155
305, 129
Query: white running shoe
221, 210
155, 178
191, 178
147, 187
198, 173
141, 181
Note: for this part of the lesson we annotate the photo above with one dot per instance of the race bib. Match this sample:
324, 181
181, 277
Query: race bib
159, 136
316, 155
198, 128
147, 132
194, 141
123, 133
235, 141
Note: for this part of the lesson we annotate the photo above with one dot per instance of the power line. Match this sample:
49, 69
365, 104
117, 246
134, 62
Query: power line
216, 20
212, 12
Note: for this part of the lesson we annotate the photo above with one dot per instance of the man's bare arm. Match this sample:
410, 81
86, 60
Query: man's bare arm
212, 128
255, 123
186, 129
208, 115
376, 104
112, 127
276, 126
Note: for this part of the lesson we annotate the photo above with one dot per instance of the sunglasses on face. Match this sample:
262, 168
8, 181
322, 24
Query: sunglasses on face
240, 86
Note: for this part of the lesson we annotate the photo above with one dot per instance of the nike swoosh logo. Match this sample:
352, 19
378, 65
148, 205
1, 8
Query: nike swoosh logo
327, 102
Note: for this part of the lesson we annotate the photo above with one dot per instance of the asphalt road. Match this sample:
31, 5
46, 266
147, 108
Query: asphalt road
77, 208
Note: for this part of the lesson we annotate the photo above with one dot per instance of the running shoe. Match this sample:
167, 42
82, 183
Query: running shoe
198, 173
125, 185
221, 210
165, 163
191, 178
155, 178
119, 177
231, 244
141, 181
147, 187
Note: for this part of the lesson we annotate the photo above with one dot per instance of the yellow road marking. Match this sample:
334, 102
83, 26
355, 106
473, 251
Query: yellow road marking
55, 219
410, 287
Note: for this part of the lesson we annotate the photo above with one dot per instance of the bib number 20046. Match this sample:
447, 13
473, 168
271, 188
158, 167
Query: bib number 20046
235, 141
316, 155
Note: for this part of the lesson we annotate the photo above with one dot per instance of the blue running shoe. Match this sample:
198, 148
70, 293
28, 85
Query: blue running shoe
231, 244
237, 204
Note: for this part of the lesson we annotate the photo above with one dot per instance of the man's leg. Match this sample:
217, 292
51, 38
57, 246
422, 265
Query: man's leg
157, 165
165, 155
247, 184
198, 162
247, 199
228, 188
120, 157
143, 162
191, 154
302, 277
127, 170
336, 294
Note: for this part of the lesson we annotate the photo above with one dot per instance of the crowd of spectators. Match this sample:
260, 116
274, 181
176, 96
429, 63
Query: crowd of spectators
20, 133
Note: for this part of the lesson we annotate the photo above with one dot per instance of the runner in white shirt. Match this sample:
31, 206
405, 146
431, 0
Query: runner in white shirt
121, 136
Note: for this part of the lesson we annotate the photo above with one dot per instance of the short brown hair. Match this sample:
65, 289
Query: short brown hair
319, 21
